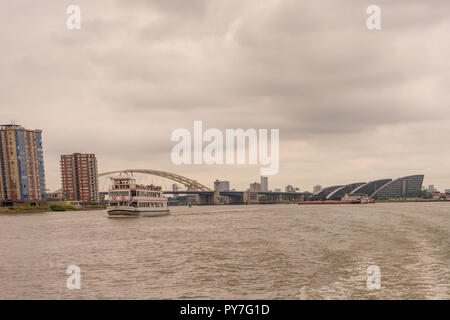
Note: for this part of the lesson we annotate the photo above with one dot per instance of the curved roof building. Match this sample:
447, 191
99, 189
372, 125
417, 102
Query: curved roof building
338, 193
370, 187
402, 188
322, 194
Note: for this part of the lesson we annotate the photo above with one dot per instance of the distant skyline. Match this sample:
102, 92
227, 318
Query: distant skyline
351, 104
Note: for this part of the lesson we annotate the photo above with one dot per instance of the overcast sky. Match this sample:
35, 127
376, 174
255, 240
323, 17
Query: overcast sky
351, 104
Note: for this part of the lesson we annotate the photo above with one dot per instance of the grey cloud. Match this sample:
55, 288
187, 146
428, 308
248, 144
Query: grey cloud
310, 68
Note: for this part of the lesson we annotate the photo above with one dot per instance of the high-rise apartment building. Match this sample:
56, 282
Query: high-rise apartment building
290, 188
22, 175
255, 187
79, 177
264, 184
222, 185
317, 188
175, 188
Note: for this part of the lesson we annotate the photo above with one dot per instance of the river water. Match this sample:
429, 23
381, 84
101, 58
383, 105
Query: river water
231, 252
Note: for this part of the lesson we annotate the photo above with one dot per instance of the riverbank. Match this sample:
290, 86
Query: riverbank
415, 200
42, 209
395, 201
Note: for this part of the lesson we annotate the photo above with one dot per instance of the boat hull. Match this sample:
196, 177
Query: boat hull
158, 213
328, 202
133, 213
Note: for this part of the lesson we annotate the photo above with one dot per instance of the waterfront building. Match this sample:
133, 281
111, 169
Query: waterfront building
369, 188
22, 174
53, 196
317, 188
340, 192
436, 195
222, 185
323, 193
277, 190
401, 188
102, 198
447, 191
79, 177
264, 184
290, 188
255, 187
175, 188
431, 188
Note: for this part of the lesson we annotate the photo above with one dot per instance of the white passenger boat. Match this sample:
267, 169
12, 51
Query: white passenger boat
364, 199
127, 199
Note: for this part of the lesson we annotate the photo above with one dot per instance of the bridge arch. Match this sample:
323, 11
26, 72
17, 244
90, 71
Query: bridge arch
193, 184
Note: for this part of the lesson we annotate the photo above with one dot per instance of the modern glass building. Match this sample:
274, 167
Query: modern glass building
370, 187
402, 188
323, 193
382, 189
338, 193
22, 174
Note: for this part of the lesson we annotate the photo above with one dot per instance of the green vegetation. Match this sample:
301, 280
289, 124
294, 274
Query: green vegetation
37, 209
57, 208
95, 208
70, 208
63, 208
24, 209
426, 194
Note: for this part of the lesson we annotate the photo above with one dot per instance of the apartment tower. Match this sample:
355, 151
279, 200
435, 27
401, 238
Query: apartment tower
22, 175
264, 184
79, 177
